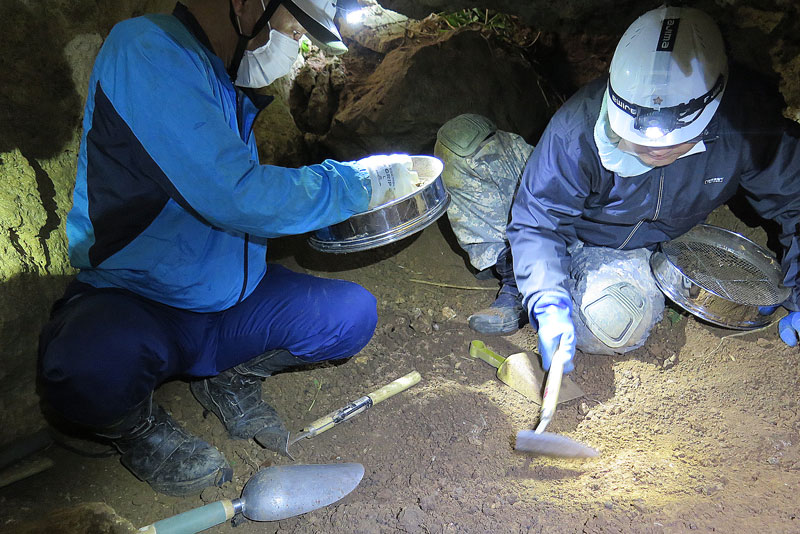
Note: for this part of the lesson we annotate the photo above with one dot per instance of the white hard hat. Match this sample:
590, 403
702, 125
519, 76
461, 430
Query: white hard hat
667, 77
316, 17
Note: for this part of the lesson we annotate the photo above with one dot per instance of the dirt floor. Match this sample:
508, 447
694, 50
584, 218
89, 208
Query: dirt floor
699, 430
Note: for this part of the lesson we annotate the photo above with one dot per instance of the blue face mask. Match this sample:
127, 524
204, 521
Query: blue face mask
265, 64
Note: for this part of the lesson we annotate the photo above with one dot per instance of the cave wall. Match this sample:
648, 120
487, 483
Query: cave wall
46, 51
764, 35
418, 87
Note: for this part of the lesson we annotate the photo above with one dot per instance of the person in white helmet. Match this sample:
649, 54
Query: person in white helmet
169, 227
630, 161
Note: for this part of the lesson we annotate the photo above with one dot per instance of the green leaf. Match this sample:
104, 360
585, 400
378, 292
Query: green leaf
673, 316
305, 45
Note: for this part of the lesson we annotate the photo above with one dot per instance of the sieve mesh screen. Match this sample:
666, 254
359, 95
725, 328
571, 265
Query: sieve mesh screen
737, 275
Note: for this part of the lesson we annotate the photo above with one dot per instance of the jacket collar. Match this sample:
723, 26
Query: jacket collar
182, 13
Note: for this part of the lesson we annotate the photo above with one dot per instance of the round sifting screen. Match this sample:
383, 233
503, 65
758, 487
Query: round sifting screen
739, 271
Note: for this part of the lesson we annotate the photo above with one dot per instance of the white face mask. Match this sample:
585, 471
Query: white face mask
612, 158
265, 64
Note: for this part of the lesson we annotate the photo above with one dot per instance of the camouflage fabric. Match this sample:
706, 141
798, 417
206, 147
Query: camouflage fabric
482, 187
592, 271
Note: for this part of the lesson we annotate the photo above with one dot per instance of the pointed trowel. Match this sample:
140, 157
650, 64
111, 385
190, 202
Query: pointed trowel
518, 372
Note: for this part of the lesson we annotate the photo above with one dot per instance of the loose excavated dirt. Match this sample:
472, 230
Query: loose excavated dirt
697, 431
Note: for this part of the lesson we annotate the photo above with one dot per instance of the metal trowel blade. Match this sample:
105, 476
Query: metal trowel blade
518, 372
569, 389
284, 491
550, 444
274, 440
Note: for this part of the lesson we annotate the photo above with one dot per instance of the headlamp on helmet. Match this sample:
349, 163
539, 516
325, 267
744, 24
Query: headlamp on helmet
667, 77
658, 122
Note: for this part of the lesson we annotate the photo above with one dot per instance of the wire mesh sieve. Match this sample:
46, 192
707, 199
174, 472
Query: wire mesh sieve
720, 276
743, 276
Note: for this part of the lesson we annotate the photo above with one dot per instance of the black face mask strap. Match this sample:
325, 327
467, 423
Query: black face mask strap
241, 44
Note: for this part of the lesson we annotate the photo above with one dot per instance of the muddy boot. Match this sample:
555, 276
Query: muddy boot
485, 274
505, 315
234, 396
158, 451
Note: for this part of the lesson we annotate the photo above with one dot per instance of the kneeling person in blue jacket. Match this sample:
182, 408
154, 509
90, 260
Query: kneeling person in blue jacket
169, 228
628, 162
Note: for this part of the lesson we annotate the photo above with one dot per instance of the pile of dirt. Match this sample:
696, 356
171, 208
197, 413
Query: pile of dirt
697, 430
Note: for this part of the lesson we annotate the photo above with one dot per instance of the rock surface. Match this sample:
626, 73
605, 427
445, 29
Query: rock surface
723, 426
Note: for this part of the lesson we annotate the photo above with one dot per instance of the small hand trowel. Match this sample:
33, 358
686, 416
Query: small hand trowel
272, 494
356, 407
280, 440
518, 372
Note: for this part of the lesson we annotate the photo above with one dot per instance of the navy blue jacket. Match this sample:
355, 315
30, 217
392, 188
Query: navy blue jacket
170, 200
567, 195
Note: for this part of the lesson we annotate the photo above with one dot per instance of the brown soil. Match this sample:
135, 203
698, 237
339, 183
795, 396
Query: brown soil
698, 430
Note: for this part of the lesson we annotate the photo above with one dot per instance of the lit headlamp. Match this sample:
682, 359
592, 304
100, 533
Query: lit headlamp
657, 122
350, 10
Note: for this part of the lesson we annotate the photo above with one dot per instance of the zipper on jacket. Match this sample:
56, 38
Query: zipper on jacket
655, 214
660, 195
244, 282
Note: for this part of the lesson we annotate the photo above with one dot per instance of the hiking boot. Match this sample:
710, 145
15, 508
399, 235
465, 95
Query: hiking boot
485, 274
236, 400
505, 315
234, 396
270, 363
158, 451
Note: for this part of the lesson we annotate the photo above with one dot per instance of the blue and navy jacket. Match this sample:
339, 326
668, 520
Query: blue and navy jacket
170, 200
566, 194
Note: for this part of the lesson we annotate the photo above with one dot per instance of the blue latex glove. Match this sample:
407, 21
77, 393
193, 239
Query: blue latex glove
789, 328
555, 328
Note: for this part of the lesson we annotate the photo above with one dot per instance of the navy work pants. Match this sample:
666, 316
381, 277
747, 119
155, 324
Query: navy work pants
105, 350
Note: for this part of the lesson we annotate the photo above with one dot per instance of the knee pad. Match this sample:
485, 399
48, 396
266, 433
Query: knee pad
463, 135
616, 300
615, 314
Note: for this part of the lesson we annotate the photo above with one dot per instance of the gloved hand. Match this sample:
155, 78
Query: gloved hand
555, 328
390, 175
767, 310
789, 328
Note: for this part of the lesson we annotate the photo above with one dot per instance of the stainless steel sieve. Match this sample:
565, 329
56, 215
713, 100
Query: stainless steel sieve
719, 276
392, 221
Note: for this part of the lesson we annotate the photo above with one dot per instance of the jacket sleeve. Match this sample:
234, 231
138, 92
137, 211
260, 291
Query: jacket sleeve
551, 196
170, 99
772, 186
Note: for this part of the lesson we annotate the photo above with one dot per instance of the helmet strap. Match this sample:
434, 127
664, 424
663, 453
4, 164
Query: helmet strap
241, 44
